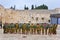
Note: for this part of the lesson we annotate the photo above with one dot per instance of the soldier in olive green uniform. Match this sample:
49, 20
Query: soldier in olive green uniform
38, 30
54, 28
23, 28
16, 27
31, 28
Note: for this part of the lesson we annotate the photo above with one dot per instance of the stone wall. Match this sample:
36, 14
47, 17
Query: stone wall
25, 16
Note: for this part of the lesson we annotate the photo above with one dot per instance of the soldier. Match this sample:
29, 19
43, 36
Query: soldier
16, 27
42, 28
31, 28
54, 28
24, 28
34, 27
4, 28
28, 28
38, 29
50, 29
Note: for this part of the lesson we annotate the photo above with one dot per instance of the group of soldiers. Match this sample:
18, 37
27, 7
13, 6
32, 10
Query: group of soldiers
26, 28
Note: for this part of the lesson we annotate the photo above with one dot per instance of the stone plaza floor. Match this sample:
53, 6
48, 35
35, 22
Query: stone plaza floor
29, 37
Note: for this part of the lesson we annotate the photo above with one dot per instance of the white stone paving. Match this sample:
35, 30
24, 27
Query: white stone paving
29, 37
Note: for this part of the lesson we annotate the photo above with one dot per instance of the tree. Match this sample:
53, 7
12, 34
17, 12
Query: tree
32, 7
13, 7
42, 7
26, 8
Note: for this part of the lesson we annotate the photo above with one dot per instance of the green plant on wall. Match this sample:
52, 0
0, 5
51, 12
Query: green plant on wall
33, 18
49, 21
42, 18
36, 18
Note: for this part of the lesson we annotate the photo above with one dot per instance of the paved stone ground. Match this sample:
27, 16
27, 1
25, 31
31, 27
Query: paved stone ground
29, 37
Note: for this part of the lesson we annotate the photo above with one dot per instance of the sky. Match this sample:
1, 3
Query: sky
52, 4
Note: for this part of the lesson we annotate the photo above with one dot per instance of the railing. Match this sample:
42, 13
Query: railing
43, 29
